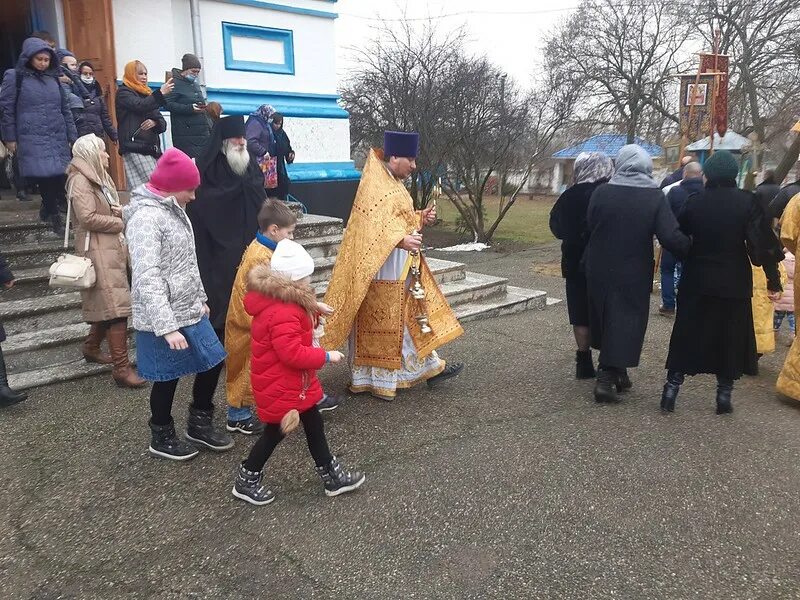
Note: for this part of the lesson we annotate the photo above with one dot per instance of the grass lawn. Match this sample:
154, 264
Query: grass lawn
526, 223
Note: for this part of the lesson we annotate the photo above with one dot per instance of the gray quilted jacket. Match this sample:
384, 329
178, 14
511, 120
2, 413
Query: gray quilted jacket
166, 293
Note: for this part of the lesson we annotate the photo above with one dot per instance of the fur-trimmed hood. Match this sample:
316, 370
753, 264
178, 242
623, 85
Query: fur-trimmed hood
266, 287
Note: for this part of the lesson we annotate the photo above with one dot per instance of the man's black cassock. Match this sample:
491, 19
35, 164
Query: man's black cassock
224, 216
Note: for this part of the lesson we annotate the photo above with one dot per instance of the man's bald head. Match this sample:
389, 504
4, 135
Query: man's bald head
687, 159
692, 169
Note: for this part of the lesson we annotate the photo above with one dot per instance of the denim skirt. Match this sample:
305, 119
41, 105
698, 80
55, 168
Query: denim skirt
156, 361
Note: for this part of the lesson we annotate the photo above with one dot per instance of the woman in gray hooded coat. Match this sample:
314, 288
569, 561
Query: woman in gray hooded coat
624, 215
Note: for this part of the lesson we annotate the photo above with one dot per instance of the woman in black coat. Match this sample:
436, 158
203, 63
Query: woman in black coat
284, 154
623, 216
95, 118
713, 331
568, 223
140, 123
191, 125
7, 395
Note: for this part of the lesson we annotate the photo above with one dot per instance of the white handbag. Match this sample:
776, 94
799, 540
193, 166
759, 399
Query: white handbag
69, 270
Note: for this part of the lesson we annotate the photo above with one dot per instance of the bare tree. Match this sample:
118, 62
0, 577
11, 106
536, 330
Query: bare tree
401, 84
487, 125
625, 55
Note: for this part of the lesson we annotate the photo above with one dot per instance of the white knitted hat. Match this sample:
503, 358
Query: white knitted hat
292, 260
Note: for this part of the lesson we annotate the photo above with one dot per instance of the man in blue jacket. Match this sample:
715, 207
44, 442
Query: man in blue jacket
677, 196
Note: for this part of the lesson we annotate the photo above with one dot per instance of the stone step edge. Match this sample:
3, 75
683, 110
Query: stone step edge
513, 301
76, 332
69, 371
14, 250
11, 309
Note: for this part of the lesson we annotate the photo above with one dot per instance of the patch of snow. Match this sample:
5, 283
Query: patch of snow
471, 247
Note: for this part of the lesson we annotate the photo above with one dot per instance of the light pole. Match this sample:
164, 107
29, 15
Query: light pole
503, 123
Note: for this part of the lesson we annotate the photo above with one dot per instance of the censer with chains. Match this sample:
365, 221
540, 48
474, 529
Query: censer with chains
418, 292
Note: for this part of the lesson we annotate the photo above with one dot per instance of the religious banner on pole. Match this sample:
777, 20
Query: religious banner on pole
718, 64
695, 103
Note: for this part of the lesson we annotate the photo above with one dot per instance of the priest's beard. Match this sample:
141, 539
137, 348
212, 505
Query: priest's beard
238, 157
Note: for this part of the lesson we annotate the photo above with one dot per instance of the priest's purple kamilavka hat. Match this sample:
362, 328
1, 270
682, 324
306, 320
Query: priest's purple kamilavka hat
401, 144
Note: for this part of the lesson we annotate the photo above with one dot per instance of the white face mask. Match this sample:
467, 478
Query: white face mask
87, 79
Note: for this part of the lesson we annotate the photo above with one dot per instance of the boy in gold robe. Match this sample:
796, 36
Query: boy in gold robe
374, 310
276, 222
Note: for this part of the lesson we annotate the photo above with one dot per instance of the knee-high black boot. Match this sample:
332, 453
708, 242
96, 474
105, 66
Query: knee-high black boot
671, 389
724, 391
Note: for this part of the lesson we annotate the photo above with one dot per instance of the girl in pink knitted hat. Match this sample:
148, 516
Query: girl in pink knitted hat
173, 334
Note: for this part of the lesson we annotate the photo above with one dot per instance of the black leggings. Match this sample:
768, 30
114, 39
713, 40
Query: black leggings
272, 436
163, 393
52, 191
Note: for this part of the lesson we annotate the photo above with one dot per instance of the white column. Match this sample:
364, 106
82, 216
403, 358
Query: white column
558, 174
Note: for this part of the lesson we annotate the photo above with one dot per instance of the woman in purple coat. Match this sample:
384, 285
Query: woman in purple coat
37, 124
260, 136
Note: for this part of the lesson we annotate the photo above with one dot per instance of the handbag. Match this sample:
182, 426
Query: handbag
269, 167
69, 270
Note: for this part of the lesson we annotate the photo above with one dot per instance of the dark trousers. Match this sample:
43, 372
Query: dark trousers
163, 393
53, 193
272, 436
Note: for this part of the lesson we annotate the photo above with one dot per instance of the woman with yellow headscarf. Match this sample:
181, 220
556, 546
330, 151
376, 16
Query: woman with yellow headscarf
97, 214
140, 123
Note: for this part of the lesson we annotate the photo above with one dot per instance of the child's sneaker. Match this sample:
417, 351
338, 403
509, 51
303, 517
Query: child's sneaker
338, 481
328, 402
248, 487
248, 426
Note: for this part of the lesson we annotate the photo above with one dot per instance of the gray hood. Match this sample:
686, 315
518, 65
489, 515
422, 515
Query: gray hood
143, 198
633, 167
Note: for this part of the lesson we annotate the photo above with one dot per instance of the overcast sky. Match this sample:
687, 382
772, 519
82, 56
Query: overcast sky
510, 32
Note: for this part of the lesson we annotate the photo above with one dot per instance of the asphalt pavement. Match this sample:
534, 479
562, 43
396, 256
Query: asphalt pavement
508, 482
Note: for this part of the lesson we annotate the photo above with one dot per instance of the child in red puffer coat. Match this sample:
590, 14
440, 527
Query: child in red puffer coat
283, 371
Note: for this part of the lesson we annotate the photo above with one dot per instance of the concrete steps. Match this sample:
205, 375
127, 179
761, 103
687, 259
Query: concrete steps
45, 326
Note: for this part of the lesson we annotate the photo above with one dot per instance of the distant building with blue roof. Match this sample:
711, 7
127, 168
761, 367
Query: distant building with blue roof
609, 143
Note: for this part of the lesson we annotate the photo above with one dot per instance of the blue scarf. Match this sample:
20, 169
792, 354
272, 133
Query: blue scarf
264, 240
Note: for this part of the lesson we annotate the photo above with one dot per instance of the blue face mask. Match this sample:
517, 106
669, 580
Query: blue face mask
191, 77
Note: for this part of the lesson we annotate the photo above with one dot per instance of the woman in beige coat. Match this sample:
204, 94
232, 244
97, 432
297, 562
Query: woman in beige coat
97, 216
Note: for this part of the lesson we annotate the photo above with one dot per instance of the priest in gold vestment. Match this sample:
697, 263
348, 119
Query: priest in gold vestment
789, 379
374, 312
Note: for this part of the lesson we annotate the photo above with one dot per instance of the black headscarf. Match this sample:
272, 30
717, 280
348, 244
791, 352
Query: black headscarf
224, 216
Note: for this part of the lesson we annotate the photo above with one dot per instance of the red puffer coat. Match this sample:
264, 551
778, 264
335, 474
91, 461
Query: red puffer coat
284, 362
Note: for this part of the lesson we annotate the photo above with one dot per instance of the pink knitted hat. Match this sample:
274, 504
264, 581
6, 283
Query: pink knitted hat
175, 172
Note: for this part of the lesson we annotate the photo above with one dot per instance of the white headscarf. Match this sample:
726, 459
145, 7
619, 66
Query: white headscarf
591, 167
88, 148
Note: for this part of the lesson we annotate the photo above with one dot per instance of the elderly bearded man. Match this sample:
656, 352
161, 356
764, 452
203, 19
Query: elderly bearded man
369, 291
225, 220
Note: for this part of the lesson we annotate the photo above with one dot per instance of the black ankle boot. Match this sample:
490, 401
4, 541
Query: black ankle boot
200, 429
337, 480
8, 397
248, 487
623, 380
167, 445
584, 368
605, 388
671, 389
724, 391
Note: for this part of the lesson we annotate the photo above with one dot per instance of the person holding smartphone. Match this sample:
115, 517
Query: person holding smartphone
191, 125
140, 123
